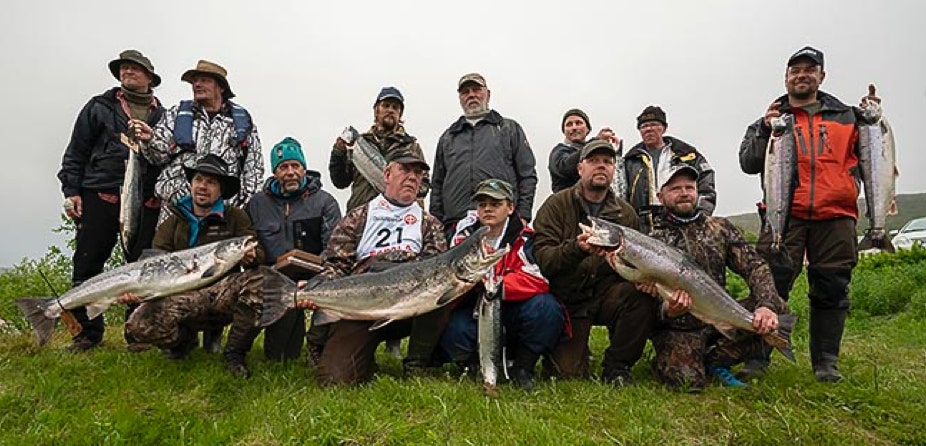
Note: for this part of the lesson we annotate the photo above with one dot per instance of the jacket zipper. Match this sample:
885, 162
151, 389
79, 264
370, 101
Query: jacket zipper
813, 167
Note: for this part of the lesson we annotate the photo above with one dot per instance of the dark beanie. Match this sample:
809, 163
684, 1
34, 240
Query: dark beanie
652, 113
575, 112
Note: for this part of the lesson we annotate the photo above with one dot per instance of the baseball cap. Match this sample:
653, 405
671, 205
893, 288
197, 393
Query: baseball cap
497, 189
597, 145
809, 52
472, 77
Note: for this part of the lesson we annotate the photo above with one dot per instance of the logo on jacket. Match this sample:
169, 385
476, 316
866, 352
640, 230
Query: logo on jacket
411, 219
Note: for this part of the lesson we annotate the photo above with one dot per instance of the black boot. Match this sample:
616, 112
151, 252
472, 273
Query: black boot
241, 338
212, 339
185, 344
756, 366
523, 371
826, 327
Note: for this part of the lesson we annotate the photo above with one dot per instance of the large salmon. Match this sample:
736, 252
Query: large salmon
878, 164
778, 179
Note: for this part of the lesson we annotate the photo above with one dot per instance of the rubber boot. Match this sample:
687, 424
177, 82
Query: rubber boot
523, 371
425, 335
756, 367
240, 340
826, 327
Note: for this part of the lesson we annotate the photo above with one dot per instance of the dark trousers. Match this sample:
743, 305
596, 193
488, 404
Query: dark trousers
283, 339
629, 316
97, 234
830, 247
349, 356
534, 324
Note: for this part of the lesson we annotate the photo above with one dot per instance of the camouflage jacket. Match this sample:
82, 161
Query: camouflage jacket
341, 253
343, 174
212, 135
716, 244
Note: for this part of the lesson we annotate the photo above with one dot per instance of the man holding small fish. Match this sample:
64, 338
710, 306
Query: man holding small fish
386, 135
92, 173
811, 198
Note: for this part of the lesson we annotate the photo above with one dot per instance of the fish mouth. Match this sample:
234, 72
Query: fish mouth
480, 259
604, 234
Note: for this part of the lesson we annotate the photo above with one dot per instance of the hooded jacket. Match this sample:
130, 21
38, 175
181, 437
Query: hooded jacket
303, 219
176, 233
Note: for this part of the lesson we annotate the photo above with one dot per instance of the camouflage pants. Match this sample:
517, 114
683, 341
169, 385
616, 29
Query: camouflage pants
682, 357
237, 297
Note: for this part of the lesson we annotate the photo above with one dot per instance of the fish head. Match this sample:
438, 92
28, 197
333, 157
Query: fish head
604, 234
231, 251
475, 258
871, 111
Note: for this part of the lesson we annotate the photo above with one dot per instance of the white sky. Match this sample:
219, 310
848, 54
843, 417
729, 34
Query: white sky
307, 69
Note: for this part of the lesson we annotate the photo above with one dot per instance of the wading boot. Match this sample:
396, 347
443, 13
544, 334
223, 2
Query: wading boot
523, 370
826, 327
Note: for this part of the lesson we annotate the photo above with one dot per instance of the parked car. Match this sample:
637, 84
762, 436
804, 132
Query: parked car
913, 232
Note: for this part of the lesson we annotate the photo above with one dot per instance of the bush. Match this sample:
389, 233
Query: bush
886, 290
25, 280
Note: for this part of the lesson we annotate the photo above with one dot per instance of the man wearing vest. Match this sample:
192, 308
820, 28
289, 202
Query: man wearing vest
198, 219
387, 134
564, 158
209, 124
91, 176
647, 164
821, 227
292, 212
357, 245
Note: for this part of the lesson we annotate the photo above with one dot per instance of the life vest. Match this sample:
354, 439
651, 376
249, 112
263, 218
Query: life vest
183, 126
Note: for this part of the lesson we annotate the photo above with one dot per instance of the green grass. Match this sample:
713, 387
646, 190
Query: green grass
111, 396
49, 396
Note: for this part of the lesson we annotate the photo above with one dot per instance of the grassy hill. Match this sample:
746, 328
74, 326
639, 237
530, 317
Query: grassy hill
908, 206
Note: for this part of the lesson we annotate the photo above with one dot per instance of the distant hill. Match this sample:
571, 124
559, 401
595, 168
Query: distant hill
908, 206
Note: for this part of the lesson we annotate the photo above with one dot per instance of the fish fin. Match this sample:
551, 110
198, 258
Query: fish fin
33, 309
96, 309
149, 253
868, 242
279, 295
212, 271
322, 317
446, 298
728, 331
865, 243
781, 338
381, 324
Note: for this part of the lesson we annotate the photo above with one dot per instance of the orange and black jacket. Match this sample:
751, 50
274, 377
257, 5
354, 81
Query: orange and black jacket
827, 158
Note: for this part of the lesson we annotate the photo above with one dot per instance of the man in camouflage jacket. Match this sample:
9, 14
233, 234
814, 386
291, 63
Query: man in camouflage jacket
687, 348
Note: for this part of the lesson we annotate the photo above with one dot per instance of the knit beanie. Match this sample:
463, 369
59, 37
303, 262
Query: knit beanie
575, 112
287, 149
652, 113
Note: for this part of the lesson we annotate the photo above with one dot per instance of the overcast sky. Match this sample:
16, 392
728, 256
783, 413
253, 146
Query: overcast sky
308, 69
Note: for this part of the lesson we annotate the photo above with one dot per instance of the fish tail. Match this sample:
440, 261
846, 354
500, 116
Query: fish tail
781, 339
33, 309
869, 242
278, 294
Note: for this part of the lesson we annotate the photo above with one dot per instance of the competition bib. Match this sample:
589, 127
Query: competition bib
390, 228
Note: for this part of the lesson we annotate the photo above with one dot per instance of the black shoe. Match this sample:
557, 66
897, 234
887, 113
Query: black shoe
826, 373
753, 369
239, 369
83, 344
212, 340
618, 377
524, 379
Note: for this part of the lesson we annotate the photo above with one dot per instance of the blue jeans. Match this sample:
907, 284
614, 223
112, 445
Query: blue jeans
535, 324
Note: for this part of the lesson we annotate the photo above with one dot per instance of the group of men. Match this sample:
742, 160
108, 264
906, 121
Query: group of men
203, 181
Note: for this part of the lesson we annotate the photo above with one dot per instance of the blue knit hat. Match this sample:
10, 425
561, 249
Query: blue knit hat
287, 149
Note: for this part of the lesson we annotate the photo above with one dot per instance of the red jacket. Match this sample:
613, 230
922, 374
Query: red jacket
522, 278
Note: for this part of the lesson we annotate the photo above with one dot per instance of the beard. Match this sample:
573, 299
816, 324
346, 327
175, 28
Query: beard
388, 123
684, 209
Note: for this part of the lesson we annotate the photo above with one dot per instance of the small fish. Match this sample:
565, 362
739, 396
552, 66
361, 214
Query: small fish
366, 158
489, 329
130, 196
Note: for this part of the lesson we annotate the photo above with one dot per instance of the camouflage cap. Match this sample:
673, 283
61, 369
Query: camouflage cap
679, 169
497, 189
475, 78
595, 146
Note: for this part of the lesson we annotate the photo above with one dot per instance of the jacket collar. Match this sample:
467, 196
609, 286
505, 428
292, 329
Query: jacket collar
493, 118
827, 101
676, 145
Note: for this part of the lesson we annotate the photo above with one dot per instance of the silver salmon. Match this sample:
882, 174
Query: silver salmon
878, 163
366, 158
640, 258
489, 329
400, 292
150, 278
130, 197
778, 179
